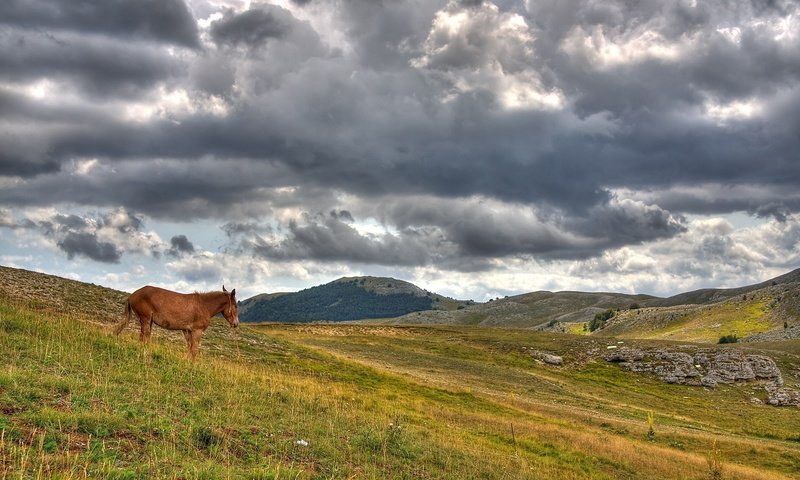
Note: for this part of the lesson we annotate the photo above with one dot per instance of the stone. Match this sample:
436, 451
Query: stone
708, 381
552, 359
782, 397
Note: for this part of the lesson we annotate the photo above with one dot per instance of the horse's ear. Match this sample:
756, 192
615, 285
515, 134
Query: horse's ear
223, 289
233, 293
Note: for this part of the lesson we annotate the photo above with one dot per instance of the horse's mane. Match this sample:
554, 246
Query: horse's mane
209, 294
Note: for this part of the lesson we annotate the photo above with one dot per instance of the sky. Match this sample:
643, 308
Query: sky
476, 149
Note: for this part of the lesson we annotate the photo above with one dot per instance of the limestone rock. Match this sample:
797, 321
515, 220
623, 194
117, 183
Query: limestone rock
781, 397
552, 359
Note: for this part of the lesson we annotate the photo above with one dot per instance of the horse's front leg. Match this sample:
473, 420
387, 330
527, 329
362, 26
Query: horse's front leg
194, 346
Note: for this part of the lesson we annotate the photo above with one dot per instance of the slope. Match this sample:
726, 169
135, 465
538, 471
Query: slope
773, 307
530, 310
349, 298
343, 401
714, 295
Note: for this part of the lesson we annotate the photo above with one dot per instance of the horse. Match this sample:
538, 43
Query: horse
190, 312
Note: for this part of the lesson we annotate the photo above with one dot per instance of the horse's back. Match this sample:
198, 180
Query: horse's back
155, 297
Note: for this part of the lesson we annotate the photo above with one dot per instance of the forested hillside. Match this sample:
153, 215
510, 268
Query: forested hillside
335, 301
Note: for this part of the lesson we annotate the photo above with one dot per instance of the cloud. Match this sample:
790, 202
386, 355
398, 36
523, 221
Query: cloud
156, 20
460, 234
180, 245
87, 244
102, 238
202, 268
252, 27
472, 133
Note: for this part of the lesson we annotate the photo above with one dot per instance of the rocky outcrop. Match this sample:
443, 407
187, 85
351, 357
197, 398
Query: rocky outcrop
707, 368
774, 335
782, 397
546, 357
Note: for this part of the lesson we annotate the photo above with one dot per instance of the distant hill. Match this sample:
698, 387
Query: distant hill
529, 310
706, 315
714, 295
700, 316
349, 298
769, 310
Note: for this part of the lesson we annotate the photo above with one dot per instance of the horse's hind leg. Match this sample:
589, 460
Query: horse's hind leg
188, 335
145, 323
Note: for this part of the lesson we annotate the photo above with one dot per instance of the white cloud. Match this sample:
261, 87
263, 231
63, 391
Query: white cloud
605, 48
484, 49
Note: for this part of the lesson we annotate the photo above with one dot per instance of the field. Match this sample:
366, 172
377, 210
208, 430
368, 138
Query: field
358, 401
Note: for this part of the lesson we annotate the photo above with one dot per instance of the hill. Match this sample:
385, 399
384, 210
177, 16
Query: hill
530, 310
769, 310
62, 296
356, 401
349, 298
772, 306
714, 295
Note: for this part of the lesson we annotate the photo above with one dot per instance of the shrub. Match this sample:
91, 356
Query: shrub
732, 338
714, 460
599, 320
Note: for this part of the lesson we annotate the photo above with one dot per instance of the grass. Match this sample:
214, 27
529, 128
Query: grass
349, 401
703, 324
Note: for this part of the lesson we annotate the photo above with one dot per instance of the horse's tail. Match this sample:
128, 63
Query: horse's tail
121, 325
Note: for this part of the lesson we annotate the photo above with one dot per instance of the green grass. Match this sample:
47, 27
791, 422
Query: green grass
703, 324
371, 402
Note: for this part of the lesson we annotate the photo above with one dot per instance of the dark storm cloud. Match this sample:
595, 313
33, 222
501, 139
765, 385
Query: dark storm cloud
461, 234
253, 27
157, 20
445, 101
330, 239
180, 245
98, 66
99, 237
87, 245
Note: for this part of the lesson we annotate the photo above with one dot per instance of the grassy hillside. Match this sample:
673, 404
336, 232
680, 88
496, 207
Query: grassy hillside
48, 293
715, 295
345, 401
349, 298
765, 309
537, 309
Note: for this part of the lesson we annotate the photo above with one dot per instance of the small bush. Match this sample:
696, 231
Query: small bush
728, 339
205, 437
599, 320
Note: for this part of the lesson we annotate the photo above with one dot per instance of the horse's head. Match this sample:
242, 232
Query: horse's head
231, 312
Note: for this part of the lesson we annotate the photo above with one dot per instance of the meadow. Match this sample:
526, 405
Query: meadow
358, 401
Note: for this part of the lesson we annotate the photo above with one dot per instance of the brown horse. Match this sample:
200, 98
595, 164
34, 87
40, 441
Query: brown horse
178, 311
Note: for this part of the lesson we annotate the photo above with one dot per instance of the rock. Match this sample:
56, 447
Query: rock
756, 401
708, 382
765, 368
552, 359
706, 367
547, 357
625, 354
782, 397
